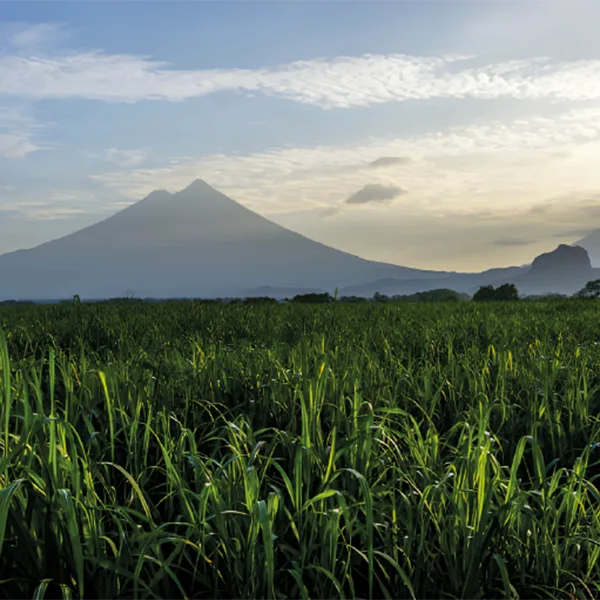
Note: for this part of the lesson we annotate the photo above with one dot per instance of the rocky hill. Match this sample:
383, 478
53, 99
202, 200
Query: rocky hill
565, 270
565, 259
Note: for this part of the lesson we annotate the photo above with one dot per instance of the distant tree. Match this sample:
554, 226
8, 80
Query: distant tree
20, 302
313, 298
507, 291
439, 295
377, 297
484, 294
260, 300
352, 299
590, 290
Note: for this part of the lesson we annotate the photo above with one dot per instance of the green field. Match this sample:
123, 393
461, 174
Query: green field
294, 451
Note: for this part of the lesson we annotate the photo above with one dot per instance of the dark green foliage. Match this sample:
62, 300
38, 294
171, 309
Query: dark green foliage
352, 299
507, 291
590, 290
485, 293
260, 300
439, 295
313, 298
26, 302
124, 300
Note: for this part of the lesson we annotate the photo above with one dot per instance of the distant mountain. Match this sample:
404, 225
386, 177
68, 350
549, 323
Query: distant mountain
565, 260
591, 243
200, 243
194, 243
565, 270
460, 282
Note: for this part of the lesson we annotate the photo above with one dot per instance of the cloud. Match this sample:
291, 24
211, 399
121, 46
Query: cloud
16, 146
330, 212
18, 132
126, 158
375, 192
51, 213
592, 209
32, 38
499, 167
388, 161
341, 82
52, 204
513, 241
575, 233
481, 179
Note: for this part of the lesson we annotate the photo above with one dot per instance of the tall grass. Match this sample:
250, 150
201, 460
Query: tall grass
184, 450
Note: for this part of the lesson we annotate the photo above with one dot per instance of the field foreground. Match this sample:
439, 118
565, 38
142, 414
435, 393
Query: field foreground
245, 451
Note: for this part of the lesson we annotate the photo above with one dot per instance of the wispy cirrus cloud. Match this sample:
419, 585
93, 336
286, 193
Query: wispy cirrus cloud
58, 204
26, 37
574, 233
18, 133
16, 145
340, 82
126, 158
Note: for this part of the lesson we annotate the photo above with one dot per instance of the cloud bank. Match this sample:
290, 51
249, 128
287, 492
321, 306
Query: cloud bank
341, 82
464, 169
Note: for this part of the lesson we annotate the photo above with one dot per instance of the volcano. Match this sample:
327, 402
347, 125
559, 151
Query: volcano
193, 243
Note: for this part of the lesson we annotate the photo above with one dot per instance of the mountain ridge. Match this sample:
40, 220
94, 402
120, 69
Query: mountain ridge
591, 242
199, 242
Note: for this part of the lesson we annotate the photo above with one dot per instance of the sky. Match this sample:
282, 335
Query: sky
443, 135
